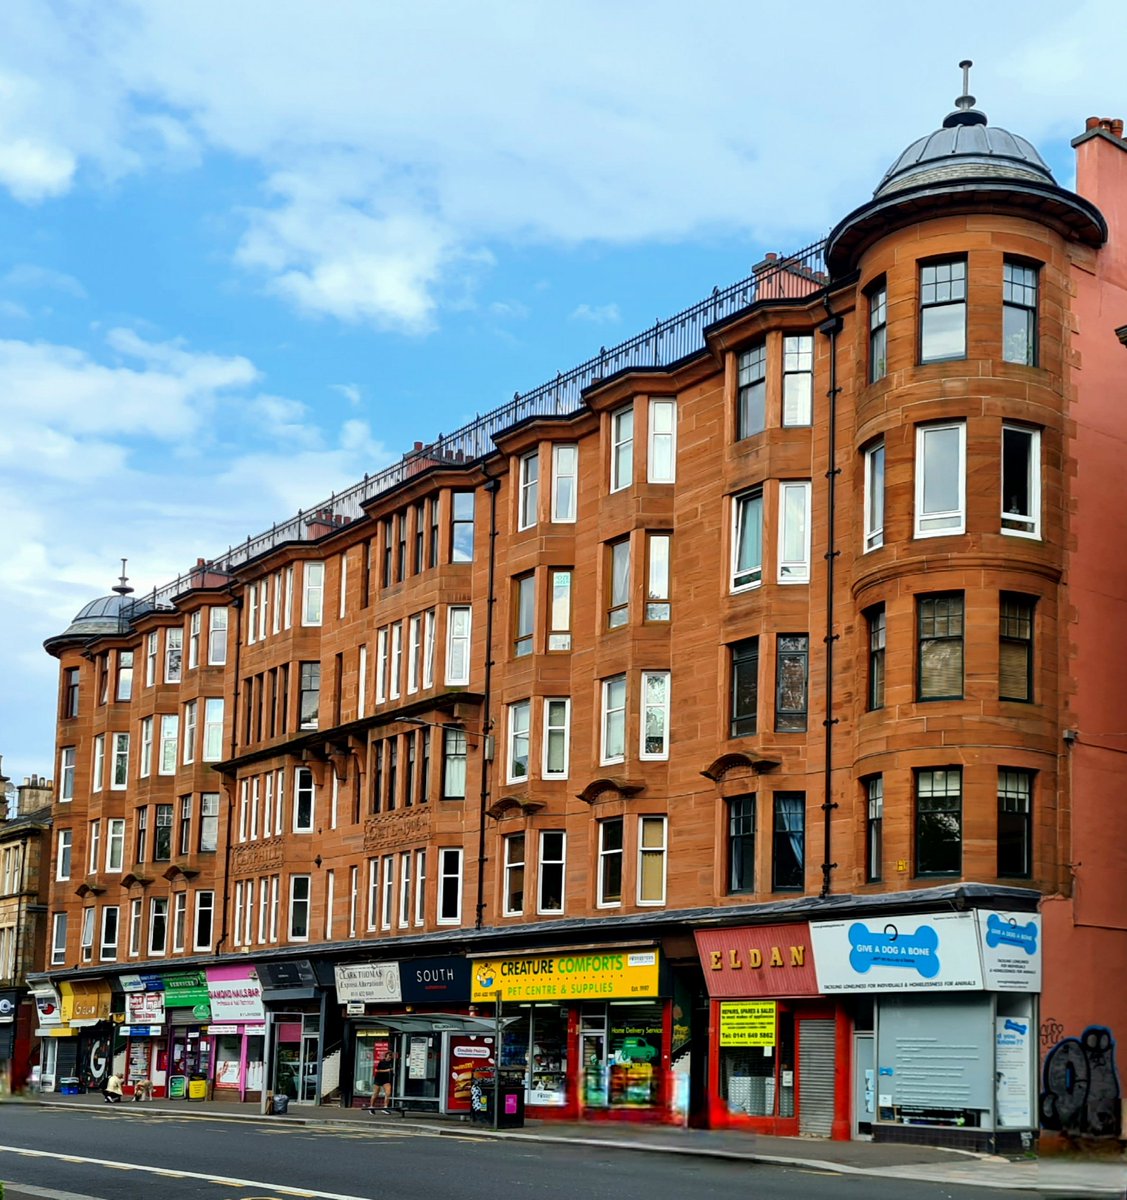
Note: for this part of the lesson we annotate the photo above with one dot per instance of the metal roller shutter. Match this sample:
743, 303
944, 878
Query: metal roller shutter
815, 1078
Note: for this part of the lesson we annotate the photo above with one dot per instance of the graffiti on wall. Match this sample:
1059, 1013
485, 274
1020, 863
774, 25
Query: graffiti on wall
1080, 1092
1051, 1032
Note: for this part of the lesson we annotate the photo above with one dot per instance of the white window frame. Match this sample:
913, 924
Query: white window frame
287, 608
373, 894
387, 896
169, 743
343, 611
64, 848
510, 865
298, 790
414, 652
107, 950
381, 665
152, 653
420, 886
174, 644
455, 678
217, 637
754, 575
252, 613
188, 741
353, 897
263, 608
145, 766
95, 847
115, 845
58, 939
119, 758
274, 890
429, 624
550, 731
927, 525
279, 586
98, 766
1024, 525
405, 889
195, 625
179, 922
154, 907
520, 711
201, 906
528, 491
294, 902
561, 862
68, 759
86, 934
330, 901
564, 513
644, 823
604, 854
662, 708
395, 672
447, 855
794, 570
212, 728
362, 682
312, 593
135, 919
659, 405
874, 496
622, 448
606, 713
798, 417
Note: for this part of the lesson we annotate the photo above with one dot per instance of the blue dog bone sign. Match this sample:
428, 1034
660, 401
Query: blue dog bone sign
1002, 932
889, 947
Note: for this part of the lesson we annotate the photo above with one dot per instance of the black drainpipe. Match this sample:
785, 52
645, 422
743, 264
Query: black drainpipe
830, 328
236, 604
492, 486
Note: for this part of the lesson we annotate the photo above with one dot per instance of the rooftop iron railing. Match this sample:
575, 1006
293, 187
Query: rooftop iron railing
665, 343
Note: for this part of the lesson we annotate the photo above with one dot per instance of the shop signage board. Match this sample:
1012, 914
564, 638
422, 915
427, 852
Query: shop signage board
187, 989
1011, 950
235, 994
1013, 1069
435, 980
747, 1023
758, 960
583, 975
143, 1031
144, 1008
141, 983
368, 983
9, 1002
926, 952
47, 1006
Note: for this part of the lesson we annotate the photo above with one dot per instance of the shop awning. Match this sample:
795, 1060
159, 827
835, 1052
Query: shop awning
85, 1001
433, 1022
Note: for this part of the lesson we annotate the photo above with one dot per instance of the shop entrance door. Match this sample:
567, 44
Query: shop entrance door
297, 1046
593, 1056
191, 1057
816, 1077
864, 1087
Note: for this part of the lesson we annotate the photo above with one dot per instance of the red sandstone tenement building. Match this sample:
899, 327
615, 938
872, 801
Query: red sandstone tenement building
743, 709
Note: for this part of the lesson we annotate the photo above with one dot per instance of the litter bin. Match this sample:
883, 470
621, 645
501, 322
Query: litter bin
281, 1105
510, 1107
69, 1085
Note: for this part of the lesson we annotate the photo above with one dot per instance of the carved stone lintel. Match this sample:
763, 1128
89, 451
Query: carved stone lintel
258, 856
404, 827
613, 785
737, 762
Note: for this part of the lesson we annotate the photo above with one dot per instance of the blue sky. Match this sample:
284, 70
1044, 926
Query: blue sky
250, 251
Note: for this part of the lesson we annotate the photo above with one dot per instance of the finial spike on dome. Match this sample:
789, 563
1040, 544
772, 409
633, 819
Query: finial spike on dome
966, 100
123, 588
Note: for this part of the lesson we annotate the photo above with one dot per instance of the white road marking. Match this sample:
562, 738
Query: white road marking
47, 1193
228, 1180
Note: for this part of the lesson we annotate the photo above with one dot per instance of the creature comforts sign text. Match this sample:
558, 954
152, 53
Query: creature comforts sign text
758, 960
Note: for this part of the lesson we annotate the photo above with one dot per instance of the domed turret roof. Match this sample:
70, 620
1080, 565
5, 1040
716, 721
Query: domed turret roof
105, 617
965, 147
965, 166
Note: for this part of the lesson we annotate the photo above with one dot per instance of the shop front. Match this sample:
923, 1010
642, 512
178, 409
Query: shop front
145, 1031
58, 1051
779, 1049
952, 1056
236, 1031
307, 1034
188, 1057
592, 1032
411, 1018
86, 1008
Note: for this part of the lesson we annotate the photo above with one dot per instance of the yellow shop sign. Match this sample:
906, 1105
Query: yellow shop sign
585, 974
747, 1023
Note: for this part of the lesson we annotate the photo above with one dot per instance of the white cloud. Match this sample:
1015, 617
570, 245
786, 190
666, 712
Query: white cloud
31, 276
597, 314
399, 146
350, 391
